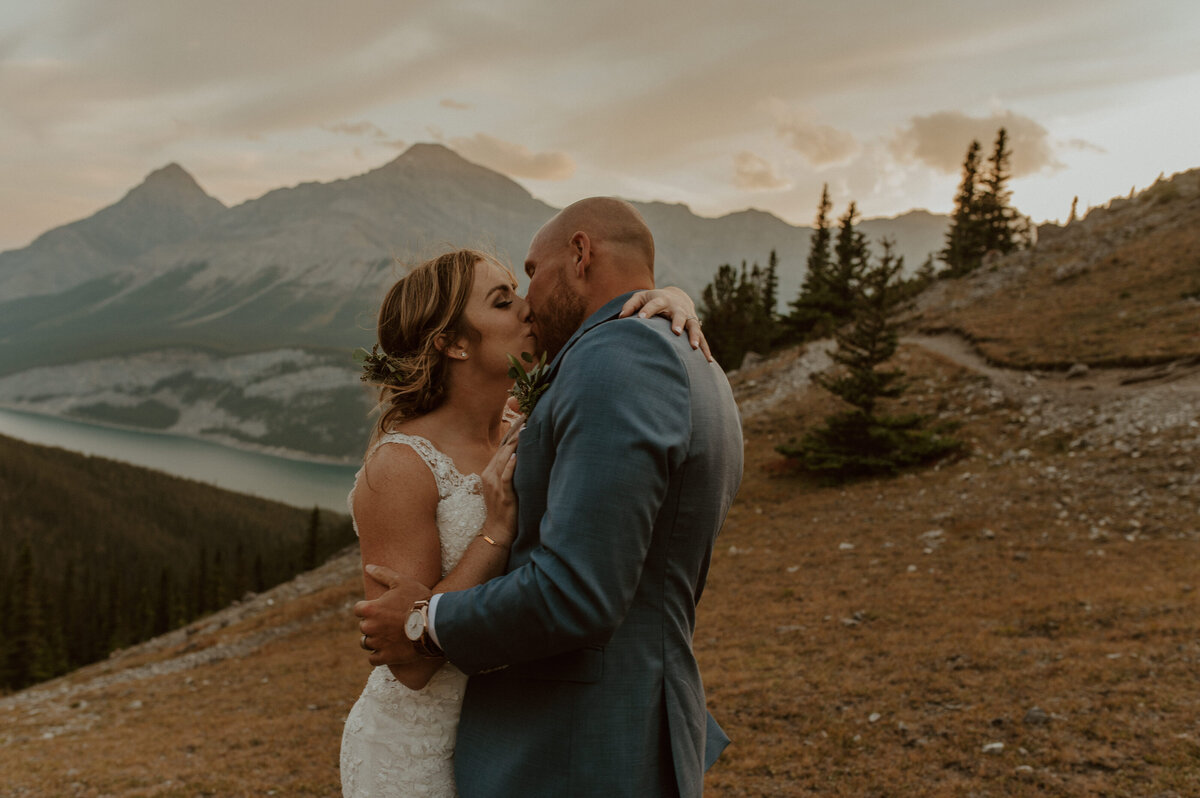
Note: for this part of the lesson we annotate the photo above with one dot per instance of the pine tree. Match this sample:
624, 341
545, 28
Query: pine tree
166, 613
7, 602
312, 542
853, 257
964, 240
771, 285
997, 219
260, 575
219, 581
861, 441
809, 315
736, 313
719, 308
29, 655
201, 589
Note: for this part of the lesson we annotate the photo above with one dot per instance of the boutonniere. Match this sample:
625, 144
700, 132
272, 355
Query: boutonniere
528, 386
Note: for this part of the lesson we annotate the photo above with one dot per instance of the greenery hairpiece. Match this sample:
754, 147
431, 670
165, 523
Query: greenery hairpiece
378, 367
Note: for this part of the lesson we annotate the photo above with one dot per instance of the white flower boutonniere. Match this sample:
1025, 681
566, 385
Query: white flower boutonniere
528, 386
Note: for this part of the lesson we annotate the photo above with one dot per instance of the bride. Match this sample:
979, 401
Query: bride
439, 507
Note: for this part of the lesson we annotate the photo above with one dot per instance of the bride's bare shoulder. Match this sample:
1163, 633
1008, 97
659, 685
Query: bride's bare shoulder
396, 464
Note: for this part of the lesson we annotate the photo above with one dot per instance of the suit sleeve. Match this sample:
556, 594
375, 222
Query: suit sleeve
621, 425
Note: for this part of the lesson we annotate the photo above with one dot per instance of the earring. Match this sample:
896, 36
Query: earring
464, 354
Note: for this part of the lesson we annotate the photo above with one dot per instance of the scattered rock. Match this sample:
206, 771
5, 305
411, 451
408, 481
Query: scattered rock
1036, 716
1077, 371
750, 360
993, 748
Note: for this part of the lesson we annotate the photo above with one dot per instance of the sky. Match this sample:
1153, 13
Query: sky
718, 105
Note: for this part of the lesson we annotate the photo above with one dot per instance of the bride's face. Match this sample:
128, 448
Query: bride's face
500, 318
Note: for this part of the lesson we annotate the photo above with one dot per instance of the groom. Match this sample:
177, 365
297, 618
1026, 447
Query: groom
583, 678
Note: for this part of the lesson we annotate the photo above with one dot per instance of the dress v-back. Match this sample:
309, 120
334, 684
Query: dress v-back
398, 741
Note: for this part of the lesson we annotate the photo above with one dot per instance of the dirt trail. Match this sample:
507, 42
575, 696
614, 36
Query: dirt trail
1091, 386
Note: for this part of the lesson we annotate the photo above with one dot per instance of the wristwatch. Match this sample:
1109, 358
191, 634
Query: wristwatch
416, 629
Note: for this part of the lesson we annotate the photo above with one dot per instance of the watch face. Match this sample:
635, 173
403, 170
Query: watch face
414, 627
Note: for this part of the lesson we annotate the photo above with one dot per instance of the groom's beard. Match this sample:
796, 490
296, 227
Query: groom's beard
560, 317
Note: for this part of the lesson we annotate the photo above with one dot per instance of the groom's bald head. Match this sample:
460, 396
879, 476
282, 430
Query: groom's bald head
615, 228
590, 252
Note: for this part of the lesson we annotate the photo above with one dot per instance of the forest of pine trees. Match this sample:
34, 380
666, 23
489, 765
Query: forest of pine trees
96, 555
739, 306
739, 314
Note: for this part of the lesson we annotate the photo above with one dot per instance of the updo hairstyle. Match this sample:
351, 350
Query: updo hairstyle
421, 308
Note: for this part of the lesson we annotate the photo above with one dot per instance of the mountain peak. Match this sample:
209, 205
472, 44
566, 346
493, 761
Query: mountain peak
429, 152
171, 183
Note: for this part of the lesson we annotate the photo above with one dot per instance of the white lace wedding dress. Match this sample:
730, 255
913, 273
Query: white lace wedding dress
397, 741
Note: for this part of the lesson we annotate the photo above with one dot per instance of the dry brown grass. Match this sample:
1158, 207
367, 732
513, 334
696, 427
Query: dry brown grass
885, 668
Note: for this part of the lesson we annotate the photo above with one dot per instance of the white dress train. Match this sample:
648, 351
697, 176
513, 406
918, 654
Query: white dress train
400, 742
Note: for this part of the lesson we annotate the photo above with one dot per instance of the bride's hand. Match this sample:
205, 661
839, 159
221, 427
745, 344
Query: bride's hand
676, 305
498, 493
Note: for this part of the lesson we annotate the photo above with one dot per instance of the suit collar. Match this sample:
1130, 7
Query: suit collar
609, 311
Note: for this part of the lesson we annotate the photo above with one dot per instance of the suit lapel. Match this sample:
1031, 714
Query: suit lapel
608, 312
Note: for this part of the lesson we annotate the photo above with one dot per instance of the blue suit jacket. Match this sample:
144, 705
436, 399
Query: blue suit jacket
584, 682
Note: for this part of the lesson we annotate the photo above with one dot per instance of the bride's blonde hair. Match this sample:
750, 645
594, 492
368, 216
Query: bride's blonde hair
420, 314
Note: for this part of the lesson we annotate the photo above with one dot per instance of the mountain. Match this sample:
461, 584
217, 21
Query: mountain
171, 311
168, 207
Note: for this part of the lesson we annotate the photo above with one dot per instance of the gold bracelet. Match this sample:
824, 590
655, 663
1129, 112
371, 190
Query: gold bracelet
495, 543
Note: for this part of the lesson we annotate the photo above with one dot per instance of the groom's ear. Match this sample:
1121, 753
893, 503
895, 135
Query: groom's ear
581, 250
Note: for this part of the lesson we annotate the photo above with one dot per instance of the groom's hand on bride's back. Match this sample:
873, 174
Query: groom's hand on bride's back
381, 621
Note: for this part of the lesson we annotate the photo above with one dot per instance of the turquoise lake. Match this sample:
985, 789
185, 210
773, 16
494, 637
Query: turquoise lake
297, 482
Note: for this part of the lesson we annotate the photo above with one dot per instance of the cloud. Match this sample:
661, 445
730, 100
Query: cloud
514, 160
940, 140
1085, 146
455, 105
820, 144
752, 173
356, 129
397, 144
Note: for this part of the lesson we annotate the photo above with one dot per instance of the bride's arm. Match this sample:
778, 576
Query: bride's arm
395, 505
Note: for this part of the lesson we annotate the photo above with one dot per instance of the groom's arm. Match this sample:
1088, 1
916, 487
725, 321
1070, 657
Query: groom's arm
621, 421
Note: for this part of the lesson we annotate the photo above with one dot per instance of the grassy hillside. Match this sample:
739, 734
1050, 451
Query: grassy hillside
97, 554
1119, 287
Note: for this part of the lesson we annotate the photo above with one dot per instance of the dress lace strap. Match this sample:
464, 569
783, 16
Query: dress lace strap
445, 473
